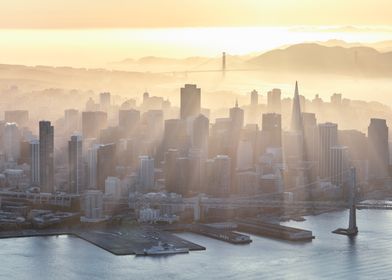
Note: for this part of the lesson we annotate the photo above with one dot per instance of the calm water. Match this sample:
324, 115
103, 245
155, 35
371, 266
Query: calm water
329, 256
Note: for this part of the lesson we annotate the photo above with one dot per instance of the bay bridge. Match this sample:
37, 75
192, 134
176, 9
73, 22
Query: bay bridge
200, 203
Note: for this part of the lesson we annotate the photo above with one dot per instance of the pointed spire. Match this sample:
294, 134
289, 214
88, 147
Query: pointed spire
296, 117
236, 103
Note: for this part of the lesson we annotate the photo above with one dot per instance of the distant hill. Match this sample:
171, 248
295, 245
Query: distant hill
315, 58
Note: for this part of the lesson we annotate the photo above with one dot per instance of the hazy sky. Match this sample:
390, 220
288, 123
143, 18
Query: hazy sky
92, 33
191, 13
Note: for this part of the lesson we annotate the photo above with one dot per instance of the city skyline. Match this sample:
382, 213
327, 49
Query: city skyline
195, 140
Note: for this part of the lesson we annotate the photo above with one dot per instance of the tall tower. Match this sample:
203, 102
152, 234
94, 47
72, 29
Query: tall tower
272, 129
223, 64
75, 164
296, 117
190, 101
274, 102
378, 148
34, 162
46, 156
328, 138
254, 98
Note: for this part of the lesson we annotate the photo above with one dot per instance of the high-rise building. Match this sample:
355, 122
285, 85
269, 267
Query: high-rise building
272, 130
92, 166
339, 165
11, 140
274, 104
310, 136
20, 117
200, 133
356, 142
328, 138
75, 164
92, 123
34, 162
378, 149
296, 116
46, 156
237, 118
171, 172
190, 101
146, 172
104, 101
222, 171
175, 135
106, 164
254, 98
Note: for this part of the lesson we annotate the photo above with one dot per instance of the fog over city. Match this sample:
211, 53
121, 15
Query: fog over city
187, 139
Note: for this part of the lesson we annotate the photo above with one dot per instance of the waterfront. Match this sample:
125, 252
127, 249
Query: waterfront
327, 256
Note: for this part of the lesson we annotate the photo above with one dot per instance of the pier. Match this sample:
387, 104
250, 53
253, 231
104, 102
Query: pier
124, 241
274, 230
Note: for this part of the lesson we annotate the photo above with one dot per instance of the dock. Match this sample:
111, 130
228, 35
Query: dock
274, 230
120, 241
221, 234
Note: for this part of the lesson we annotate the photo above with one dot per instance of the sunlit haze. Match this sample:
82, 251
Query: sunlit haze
195, 139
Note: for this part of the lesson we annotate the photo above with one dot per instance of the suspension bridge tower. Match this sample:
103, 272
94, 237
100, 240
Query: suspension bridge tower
352, 222
223, 64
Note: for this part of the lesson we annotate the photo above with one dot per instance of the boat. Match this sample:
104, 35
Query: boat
165, 249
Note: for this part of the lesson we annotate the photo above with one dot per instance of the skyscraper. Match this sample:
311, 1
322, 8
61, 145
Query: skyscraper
11, 140
272, 130
254, 98
75, 164
222, 170
237, 118
310, 136
171, 172
378, 149
296, 117
146, 172
104, 101
34, 163
328, 138
106, 164
175, 135
339, 165
274, 100
190, 101
46, 156
200, 133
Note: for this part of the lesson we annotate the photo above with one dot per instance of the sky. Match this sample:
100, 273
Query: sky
93, 33
191, 13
